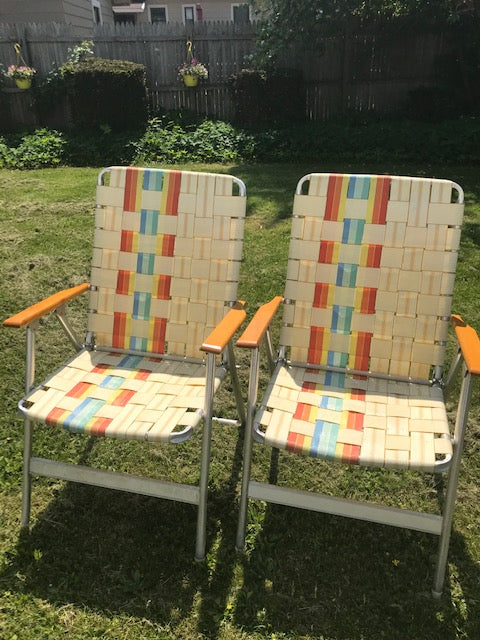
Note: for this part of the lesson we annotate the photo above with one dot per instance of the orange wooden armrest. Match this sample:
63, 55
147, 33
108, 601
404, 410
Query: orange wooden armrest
223, 332
259, 324
40, 309
469, 344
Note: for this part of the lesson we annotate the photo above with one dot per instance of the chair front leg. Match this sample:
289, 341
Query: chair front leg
26, 477
205, 460
247, 448
451, 492
27, 427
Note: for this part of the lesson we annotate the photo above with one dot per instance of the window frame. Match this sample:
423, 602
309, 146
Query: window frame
96, 4
192, 7
157, 6
240, 4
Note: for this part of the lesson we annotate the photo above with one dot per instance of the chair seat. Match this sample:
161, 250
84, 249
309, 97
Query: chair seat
122, 396
355, 419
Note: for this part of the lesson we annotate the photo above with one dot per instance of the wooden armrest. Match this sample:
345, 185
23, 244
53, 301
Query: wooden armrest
259, 324
40, 309
224, 331
469, 344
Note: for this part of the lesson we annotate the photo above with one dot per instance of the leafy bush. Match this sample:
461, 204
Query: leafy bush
276, 96
207, 142
168, 141
106, 92
43, 148
450, 141
433, 103
49, 95
248, 90
49, 148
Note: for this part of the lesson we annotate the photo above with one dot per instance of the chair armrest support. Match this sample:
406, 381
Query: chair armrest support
469, 344
224, 331
257, 327
40, 309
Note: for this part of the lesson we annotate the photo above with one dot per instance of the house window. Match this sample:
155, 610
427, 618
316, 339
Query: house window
97, 12
125, 18
188, 13
158, 14
240, 13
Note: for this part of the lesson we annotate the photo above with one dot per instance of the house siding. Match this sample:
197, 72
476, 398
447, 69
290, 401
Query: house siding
77, 13
212, 10
12, 11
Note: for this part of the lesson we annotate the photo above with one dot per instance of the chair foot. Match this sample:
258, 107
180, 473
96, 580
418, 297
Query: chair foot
436, 595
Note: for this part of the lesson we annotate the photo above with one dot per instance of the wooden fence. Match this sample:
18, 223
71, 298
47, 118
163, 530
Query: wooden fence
352, 71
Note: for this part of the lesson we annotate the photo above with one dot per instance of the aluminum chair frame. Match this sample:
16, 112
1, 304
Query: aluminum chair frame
218, 343
467, 360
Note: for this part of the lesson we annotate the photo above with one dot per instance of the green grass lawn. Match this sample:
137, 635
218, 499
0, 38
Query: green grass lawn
104, 564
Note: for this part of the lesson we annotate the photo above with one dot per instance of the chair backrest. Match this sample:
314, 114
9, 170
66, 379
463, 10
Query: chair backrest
371, 271
166, 258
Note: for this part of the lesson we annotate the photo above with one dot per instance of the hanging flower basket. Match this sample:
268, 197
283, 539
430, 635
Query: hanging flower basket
23, 83
190, 81
20, 72
193, 70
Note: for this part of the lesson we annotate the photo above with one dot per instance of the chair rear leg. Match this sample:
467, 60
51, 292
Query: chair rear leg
441, 564
247, 450
26, 477
235, 383
243, 507
451, 492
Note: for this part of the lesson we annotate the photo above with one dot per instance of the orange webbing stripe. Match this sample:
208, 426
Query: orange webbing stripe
469, 344
223, 332
36, 311
252, 335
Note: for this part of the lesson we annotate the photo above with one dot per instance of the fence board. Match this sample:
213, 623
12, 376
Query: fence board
361, 71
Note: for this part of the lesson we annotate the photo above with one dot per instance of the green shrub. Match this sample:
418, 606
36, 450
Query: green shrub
208, 142
106, 92
433, 103
249, 95
43, 148
6, 154
167, 142
275, 97
99, 149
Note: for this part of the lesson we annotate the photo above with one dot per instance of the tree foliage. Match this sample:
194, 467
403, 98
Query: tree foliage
300, 22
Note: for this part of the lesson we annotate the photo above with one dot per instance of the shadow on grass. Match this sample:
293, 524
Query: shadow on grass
306, 574
116, 553
329, 577
471, 233
106, 551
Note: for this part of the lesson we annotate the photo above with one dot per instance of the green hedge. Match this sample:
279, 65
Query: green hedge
106, 93
168, 142
275, 97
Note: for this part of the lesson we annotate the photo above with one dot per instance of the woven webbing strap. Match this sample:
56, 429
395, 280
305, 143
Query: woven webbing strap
166, 259
355, 419
370, 273
123, 396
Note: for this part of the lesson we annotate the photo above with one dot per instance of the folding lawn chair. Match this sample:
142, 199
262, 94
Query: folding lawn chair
166, 259
366, 310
